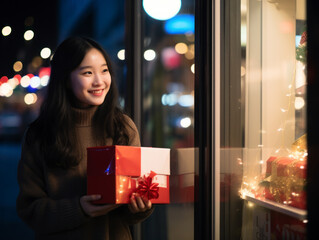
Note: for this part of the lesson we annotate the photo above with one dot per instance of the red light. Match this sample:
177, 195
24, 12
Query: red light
4, 79
17, 76
44, 71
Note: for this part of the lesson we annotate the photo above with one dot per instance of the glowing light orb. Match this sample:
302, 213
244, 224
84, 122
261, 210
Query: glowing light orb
6, 31
45, 53
121, 54
163, 9
28, 35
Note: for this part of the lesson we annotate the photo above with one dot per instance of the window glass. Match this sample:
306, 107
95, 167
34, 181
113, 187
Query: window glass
263, 153
168, 109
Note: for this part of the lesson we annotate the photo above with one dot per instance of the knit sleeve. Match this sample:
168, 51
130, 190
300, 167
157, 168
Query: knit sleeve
134, 137
133, 218
42, 213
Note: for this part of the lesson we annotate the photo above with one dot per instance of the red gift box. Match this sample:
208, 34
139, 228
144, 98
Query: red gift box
287, 178
298, 173
183, 175
115, 172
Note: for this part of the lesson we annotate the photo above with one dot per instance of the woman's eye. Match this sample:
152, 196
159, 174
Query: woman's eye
105, 70
87, 73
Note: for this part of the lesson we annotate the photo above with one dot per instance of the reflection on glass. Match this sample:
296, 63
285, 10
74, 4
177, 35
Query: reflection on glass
263, 172
168, 113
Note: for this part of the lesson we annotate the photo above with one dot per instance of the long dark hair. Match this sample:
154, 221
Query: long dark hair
55, 126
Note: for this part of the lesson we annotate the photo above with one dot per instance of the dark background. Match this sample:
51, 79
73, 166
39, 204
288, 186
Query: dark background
51, 22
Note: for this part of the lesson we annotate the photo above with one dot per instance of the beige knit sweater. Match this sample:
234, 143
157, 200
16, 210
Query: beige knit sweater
49, 200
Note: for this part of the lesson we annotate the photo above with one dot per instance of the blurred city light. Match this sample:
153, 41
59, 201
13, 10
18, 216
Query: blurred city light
170, 58
121, 54
181, 48
25, 81
149, 55
17, 66
6, 90
180, 24
162, 10
6, 31
28, 35
30, 98
185, 122
186, 100
35, 82
13, 82
4, 79
45, 53
169, 99
191, 52
44, 81
36, 62
193, 68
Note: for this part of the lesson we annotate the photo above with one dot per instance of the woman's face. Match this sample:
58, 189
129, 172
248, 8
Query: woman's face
91, 80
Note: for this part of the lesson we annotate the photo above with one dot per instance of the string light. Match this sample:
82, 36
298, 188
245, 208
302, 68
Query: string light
6, 31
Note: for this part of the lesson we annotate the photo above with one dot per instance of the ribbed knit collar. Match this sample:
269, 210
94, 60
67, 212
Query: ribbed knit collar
83, 116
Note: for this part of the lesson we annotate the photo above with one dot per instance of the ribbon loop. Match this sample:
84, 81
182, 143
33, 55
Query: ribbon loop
147, 188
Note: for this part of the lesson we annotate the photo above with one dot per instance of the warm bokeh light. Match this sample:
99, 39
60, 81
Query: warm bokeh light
13, 82
6, 90
45, 53
181, 48
30, 98
121, 54
17, 66
28, 35
193, 68
6, 31
149, 55
299, 103
162, 10
191, 52
36, 62
25, 81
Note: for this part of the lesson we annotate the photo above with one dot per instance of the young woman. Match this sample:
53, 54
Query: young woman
79, 111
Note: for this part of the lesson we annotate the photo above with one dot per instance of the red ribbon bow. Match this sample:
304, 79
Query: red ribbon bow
147, 188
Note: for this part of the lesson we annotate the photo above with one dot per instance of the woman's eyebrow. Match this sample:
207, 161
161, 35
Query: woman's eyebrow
83, 67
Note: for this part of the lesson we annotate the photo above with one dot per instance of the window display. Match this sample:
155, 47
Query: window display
265, 145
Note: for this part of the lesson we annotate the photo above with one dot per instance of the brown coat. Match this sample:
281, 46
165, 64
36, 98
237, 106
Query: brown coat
49, 200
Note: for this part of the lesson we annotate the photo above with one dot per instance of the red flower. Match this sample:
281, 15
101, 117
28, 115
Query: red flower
147, 188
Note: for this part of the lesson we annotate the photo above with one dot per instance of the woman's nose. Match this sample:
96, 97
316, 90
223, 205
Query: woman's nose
97, 80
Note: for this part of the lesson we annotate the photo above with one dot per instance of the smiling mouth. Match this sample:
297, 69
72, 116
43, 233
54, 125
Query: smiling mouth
97, 92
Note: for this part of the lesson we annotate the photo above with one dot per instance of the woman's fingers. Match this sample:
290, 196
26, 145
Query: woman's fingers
94, 210
89, 198
139, 204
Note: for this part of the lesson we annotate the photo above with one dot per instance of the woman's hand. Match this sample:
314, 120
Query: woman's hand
94, 210
139, 204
